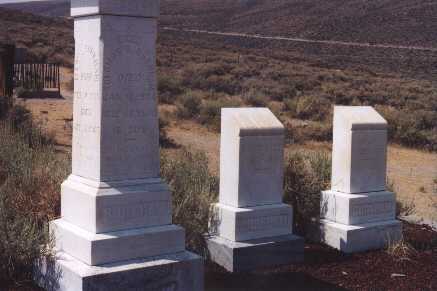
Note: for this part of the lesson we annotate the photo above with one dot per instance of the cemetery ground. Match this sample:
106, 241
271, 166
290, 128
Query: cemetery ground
198, 76
408, 266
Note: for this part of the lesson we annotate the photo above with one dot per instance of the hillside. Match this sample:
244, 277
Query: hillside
46, 38
405, 22
408, 22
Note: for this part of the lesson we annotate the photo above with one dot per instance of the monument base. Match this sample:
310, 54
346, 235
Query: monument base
362, 237
179, 271
255, 254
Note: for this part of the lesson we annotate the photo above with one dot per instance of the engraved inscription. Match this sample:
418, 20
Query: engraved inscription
260, 223
262, 158
129, 211
372, 209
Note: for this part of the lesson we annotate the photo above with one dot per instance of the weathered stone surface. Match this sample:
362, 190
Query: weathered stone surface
115, 119
175, 272
96, 249
255, 254
138, 8
357, 213
359, 150
252, 227
105, 207
251, 157
357, 208
361, 237
241, 224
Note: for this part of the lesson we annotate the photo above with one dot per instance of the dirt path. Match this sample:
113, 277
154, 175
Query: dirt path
304, 40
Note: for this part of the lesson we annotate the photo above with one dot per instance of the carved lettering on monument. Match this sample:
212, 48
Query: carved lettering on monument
146, 210
372, 208
260, 223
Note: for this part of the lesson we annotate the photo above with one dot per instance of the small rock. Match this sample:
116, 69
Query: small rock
394, 275
344, 273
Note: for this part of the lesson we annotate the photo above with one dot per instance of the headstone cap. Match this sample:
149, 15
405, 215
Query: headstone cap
253, 121
135, 8
359, 118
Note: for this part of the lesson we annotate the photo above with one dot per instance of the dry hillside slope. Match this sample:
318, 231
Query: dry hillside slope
406, 22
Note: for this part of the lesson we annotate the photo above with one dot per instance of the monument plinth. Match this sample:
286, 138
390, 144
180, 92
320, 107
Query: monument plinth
252, 227
358, 213
116, 211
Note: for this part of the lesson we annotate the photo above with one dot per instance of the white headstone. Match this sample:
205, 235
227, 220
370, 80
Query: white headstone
358, 202
114, 206
251, 157
251, 188
359, 150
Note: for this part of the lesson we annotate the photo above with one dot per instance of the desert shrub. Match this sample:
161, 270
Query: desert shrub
226, 84
309, 107
30, 178
255, 98
405, 208
164, 140
21, 120
193, 189
169, 86
211, 111
313, 131
282, 92
189, 105
305, 176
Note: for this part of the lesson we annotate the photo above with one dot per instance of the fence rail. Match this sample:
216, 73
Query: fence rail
37, 76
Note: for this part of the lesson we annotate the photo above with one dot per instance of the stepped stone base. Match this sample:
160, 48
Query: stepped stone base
351, 209
175, 272
362, 237
102, 248
256, 254
247, 223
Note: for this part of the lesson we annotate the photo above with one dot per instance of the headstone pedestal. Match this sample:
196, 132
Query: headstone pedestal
116, 230
252, 227
358, 213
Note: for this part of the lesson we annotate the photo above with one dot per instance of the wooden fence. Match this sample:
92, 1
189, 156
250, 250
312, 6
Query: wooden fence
37, 76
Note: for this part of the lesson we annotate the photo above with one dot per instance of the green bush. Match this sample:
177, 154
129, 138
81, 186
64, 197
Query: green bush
30, 178
305, 176
189, 106
193, 189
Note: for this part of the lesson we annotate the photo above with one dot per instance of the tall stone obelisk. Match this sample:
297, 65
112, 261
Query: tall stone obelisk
116, 231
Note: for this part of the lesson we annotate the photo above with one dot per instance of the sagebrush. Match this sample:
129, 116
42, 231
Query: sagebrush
193, 190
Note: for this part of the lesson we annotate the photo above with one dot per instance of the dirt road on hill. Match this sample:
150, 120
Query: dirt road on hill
304, 40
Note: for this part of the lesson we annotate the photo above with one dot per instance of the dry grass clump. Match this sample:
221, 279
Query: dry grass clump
193, 190
30, 177
400, 249
305, 176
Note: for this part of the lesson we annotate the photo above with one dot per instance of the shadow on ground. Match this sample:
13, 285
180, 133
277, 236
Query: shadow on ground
281, 281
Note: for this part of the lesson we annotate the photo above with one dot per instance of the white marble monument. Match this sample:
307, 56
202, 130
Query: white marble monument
116, 230
252, 227
358, 213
